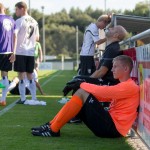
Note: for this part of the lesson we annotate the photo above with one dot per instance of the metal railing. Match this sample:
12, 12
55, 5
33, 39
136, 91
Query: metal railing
131, 41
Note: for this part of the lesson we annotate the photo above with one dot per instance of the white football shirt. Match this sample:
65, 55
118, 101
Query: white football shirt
27, 31
91, 35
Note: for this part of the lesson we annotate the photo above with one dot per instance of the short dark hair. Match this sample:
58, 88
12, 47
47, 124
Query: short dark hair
125, 60
21, 5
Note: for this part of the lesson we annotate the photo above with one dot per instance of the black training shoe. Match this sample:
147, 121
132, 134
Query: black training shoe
46, 133
20, 101
42, 127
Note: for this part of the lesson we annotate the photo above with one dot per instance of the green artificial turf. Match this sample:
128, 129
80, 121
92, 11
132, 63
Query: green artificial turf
16, 122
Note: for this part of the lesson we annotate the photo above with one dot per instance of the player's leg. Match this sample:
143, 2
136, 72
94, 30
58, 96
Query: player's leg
5, 66
69, 110
32, 84
98, 119
13, 83
5, 82
20, 67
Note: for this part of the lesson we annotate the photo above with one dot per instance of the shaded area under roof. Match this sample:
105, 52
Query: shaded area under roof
133, 24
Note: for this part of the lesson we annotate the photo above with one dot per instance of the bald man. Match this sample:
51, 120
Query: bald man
113, 36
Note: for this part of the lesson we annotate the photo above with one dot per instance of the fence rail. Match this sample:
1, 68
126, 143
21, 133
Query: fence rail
131, 41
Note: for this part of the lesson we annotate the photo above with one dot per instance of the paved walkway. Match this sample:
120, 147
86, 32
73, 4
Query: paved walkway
137, 142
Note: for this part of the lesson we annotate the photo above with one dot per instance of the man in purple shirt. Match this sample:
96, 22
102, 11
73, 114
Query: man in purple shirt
7, 49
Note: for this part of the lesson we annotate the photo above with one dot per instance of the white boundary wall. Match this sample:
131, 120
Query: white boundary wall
143, 61
57, 65
143, 68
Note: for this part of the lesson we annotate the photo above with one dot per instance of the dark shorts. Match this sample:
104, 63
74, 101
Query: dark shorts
24, 64
15, 91
5, 64
87, 65
97, 119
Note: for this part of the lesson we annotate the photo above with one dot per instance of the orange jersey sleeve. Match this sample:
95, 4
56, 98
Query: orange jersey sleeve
124, 98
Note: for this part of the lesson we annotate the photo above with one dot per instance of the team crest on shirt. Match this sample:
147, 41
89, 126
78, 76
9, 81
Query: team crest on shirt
7, 24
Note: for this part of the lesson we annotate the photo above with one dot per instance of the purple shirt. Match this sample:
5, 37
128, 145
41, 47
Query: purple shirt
7, 26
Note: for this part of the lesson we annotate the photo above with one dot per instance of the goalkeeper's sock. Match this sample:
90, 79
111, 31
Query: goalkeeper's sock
68, 111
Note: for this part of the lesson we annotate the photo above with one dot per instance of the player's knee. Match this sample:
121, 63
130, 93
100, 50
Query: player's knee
82, 94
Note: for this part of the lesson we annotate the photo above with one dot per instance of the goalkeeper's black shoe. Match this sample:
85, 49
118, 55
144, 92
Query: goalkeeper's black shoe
45, 133
41, 128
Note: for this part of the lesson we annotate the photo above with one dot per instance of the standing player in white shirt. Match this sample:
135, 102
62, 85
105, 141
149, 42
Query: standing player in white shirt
91, 38
27, 34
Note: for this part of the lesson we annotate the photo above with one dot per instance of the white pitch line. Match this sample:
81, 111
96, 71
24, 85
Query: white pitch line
58, 73
3, 111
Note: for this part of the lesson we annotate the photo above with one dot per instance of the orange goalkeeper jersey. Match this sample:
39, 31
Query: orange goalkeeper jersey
124, 98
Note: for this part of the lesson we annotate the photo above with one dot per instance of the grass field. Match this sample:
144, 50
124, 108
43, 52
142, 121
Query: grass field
16, 122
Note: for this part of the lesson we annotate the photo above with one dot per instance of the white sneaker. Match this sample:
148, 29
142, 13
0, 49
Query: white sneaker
64, 100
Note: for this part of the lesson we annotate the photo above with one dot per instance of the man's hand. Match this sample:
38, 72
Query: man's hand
74, 85
88, 79
66, 90
12, 58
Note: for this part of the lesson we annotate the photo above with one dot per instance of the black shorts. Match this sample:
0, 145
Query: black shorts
5, 64
97, 119
15, 91
24, 64
86, 66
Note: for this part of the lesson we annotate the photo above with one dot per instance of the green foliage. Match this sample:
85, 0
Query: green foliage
7, 11
62, 39
60, 27
142, 9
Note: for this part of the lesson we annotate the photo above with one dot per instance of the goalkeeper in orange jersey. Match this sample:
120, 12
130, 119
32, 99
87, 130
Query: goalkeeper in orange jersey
113, 122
